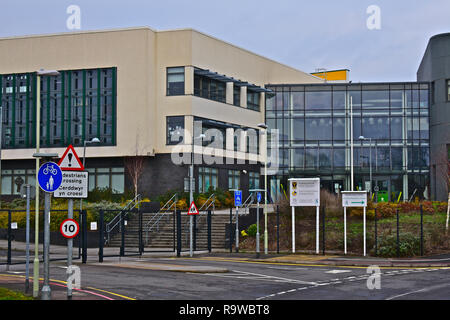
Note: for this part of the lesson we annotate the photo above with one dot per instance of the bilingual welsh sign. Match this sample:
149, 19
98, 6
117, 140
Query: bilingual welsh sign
74, 185
304, 192
49, 177
354, 198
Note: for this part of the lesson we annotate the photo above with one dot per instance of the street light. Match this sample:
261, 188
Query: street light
40, 73
191, 189
370, 160
266, 240
94, 140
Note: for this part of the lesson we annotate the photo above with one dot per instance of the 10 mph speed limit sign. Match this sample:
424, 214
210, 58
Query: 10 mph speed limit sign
69, 228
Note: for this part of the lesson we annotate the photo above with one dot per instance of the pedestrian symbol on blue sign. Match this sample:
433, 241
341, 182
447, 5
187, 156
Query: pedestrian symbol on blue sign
49, 177
258, 196
238, 198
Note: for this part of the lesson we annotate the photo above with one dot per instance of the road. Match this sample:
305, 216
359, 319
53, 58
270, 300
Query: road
145, 279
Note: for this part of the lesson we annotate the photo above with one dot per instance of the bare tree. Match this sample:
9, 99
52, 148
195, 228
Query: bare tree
135, 167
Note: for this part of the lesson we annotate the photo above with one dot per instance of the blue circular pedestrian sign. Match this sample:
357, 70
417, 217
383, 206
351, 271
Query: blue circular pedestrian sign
49, 177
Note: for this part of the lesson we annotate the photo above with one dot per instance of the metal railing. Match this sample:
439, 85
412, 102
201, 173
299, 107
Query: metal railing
155, 220
201, 218
247, 203
116, 221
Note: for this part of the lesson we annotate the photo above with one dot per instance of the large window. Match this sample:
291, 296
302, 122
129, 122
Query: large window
209, 88
252, 100
76, 105
448, 89
12, 180
104, 178
234, 180
253, 180
207, 178
175, 81
175, 130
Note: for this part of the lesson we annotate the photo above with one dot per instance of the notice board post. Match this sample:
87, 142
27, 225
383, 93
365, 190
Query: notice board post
354, 199
304, 192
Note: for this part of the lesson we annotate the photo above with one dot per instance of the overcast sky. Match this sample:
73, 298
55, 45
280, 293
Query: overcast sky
306, 35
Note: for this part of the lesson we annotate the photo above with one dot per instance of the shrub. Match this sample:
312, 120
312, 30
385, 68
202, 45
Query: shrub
409, 245
251, 230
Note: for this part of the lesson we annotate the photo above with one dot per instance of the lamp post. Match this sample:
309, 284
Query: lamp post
370, 161
191, 190
39, 74
266, 240
94, 140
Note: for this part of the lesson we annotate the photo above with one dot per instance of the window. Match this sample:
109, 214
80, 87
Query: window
175, 130
253, 180
448, 90
252, 100
12, 180
104, 178
234, 179
175, 81
237, 96
209, 88
207, 178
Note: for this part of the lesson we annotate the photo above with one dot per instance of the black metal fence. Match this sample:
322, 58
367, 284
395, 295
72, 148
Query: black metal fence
23, 239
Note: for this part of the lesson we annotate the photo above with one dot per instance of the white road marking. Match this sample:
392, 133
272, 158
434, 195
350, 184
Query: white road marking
337, 271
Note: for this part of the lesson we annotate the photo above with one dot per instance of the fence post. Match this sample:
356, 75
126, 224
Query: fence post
178, 216
278, 229
101, 237
421, 230
398, 235
230, 230
141, 242
195, 232
209, 231
323, 230
9, 240
122, 231
376, 233
84, 235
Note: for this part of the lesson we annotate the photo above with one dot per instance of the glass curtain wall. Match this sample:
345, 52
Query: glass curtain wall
314, 125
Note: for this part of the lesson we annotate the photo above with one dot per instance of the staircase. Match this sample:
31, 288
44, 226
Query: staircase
163, 236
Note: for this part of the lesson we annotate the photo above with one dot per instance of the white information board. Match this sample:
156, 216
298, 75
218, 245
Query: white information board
354, 198
74, 185
304, 192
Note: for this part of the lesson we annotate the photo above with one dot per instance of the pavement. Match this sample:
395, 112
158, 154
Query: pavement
137, 261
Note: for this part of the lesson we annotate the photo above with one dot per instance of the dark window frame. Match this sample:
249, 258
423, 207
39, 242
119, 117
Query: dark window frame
168, 89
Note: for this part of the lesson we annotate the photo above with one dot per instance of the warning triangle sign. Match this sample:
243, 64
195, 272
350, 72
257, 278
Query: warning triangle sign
70, 160
193, 209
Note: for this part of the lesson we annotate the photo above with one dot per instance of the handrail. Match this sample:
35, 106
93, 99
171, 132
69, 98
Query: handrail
130, 206
247, 203
211, 201
149, 226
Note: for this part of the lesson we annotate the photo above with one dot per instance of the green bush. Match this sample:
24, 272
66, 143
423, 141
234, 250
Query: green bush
409, 245
251, 231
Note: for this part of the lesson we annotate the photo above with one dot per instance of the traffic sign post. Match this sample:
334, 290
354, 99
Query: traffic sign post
191, 212
49, 178
354, 199
305, 192
74, 185
237, 203
258, 200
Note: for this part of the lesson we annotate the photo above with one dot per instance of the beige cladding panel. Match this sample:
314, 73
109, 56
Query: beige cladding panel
131, 51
